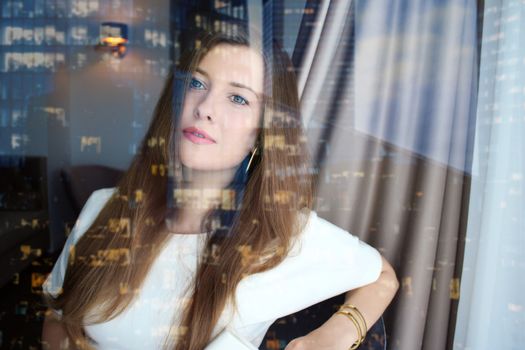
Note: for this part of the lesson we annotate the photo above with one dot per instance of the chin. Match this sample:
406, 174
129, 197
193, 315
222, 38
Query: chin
206, 165
191, 164
201, 164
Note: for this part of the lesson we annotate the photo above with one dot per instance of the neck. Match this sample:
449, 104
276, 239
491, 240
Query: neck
200, 192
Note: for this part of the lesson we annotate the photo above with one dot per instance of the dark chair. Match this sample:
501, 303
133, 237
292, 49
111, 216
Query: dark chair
24, 232
80, 181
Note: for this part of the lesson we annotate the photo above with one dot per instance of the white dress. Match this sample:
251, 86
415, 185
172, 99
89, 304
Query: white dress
325, 261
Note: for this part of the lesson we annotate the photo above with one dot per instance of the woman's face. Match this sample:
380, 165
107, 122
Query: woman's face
222, 109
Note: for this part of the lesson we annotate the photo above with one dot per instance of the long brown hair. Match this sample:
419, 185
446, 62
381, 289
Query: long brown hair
264, 220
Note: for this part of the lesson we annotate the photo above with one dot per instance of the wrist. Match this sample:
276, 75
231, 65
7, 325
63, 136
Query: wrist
342, 328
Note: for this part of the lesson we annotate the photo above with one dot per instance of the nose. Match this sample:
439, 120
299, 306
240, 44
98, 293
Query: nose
204, 108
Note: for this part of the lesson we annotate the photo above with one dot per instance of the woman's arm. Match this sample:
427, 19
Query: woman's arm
54, 336
339, 332
371, 300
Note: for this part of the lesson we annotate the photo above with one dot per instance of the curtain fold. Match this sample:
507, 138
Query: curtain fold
491, 309
390, 124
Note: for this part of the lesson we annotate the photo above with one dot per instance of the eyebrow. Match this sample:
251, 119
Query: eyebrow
233, 83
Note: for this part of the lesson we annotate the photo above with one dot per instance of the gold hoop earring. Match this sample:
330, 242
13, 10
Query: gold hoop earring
251, 158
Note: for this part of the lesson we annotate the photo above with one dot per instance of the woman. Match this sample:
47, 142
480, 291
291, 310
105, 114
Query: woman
225, 145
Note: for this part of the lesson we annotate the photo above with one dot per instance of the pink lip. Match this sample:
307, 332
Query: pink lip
188, 133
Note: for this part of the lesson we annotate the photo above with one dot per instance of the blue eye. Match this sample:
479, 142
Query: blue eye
239, 100
196, 84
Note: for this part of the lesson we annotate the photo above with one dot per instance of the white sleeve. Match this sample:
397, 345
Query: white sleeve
338, 258
53, 283
326, 261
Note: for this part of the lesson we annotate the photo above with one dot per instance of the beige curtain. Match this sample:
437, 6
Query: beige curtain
388, 94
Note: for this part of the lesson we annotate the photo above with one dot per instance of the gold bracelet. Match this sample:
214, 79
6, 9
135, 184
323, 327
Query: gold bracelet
353, 308
360, 338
